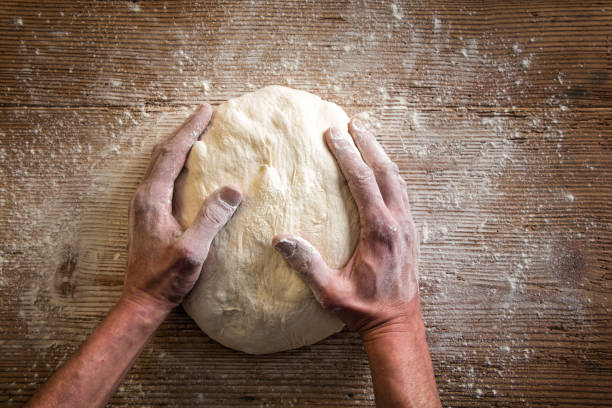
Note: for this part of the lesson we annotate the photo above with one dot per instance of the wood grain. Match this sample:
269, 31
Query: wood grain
497, 113
439, 54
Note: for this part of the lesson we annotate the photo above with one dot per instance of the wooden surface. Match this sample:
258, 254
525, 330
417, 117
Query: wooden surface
498, 114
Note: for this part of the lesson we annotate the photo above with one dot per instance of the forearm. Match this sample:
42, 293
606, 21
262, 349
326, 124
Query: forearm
91, 376
400, 363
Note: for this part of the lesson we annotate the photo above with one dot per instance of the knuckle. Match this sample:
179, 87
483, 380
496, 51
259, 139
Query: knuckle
401, 180
410, 233
155, 150
214, 214
403, 184
139, 200
143, 201
161, 149
191, 261
188, 258
363, 175
144, 208
388, 167
394, 169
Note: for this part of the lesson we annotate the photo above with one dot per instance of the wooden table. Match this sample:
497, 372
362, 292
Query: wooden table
498, 114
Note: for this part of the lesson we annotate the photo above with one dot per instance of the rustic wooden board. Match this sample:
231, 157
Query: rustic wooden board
498, 115
429, 53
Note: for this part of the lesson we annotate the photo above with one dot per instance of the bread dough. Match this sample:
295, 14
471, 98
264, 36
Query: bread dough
270, 144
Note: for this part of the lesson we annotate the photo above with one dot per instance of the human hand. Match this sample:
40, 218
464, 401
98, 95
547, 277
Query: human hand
164, 262
378, 286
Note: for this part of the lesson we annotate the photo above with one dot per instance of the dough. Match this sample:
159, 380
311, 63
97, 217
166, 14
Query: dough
270, 144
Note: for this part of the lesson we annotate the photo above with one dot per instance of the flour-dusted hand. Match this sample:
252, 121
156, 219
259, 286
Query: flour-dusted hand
376, 293
380, 279
164, 262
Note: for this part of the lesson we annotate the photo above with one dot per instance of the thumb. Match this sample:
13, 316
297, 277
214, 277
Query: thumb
309, 264
216, 211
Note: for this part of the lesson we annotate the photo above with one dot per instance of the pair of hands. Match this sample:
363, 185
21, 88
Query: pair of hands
375, 293
377, 287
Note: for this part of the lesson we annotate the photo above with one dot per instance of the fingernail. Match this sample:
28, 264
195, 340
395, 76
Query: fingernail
357, 124
286, 247
335, 134
230, 196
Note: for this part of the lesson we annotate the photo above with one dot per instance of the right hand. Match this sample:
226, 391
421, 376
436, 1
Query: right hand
378, 286
164, 261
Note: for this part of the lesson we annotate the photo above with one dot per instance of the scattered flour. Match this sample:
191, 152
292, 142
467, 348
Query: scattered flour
415, 122
396, 11
458, 169
133, 6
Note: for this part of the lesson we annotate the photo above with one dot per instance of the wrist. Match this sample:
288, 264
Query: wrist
147, 313
407, 324
400, 363
148, 299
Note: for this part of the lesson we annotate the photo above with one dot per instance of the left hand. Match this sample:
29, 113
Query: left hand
164, 262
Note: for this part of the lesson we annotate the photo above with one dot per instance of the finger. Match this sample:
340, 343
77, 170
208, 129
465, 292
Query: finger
405, 213
309, 264
404, 193
169, 156
386, 172
359, 176
216, 211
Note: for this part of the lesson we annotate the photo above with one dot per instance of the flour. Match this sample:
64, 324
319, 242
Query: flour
459, 164
526, 63
396, 12
63, 246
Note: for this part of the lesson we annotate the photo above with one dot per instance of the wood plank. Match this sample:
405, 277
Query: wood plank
498, 114
435, 53
513, 210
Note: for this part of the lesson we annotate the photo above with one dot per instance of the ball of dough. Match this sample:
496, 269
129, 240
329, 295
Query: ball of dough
270, 144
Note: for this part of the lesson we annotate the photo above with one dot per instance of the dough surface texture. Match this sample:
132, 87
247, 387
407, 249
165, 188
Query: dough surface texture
270, 144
